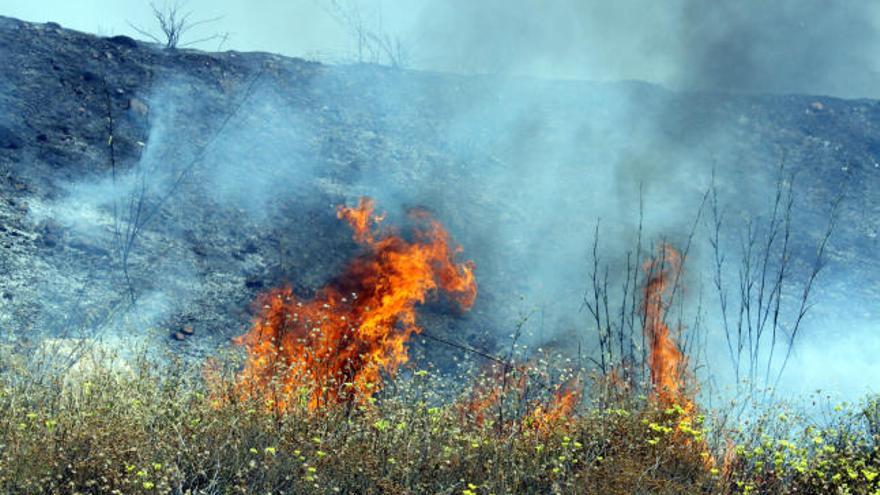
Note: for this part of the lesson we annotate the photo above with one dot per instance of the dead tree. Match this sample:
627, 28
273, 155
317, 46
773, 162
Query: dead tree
373, 43
174, 24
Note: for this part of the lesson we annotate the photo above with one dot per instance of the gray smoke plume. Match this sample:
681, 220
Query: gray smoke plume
788, 46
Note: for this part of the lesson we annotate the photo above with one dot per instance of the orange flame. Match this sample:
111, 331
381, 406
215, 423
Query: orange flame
495, 385
665, 360
492, 386
335, 347
481, 405
559, 409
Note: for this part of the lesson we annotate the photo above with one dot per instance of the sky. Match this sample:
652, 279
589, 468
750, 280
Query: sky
823, 47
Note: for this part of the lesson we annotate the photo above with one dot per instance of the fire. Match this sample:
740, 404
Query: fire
335, 347
665, 360
495, 384
559, 409
512, 385
481, 405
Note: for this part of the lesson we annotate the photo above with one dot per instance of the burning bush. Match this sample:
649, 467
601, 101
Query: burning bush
335, 347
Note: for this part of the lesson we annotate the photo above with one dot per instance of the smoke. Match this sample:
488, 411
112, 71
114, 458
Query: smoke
614, 139
134, 230
813, 46
558, 156
520, 169
789, 46
266, 155
827, 361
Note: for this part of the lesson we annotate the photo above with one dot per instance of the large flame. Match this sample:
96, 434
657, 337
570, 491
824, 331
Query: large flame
335, 347
665, 360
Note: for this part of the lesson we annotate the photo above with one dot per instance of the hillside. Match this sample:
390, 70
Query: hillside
231, 164
363, 279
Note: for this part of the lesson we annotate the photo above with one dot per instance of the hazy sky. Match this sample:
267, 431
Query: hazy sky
801, 46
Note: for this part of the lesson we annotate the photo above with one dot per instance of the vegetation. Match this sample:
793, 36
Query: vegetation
155, 427
174, 23
323, 398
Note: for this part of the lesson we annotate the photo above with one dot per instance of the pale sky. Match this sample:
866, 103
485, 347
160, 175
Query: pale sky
290, 27
780, 46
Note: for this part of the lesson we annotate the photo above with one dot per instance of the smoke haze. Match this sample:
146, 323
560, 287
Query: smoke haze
516, 159
787, 46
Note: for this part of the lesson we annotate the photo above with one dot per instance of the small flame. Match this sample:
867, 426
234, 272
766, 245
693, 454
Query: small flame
335, 347
498, 384
559, 409
665, 360
495, 384
481, 405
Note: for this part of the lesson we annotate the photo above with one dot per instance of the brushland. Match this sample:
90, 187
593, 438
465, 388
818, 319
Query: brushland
320, 396
157, 428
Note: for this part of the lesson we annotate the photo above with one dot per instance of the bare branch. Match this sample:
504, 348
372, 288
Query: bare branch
174, 24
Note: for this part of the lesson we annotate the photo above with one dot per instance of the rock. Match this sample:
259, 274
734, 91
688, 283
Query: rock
123, 40
51, 233
253, 282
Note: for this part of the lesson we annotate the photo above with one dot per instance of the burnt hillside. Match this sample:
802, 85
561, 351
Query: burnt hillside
231, 164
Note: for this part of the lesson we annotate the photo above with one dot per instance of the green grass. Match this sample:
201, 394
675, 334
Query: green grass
151, 428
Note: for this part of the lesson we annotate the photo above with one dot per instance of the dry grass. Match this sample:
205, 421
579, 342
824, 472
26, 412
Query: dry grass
155, 428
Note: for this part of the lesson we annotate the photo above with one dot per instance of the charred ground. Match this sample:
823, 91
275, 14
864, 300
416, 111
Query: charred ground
64, 93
